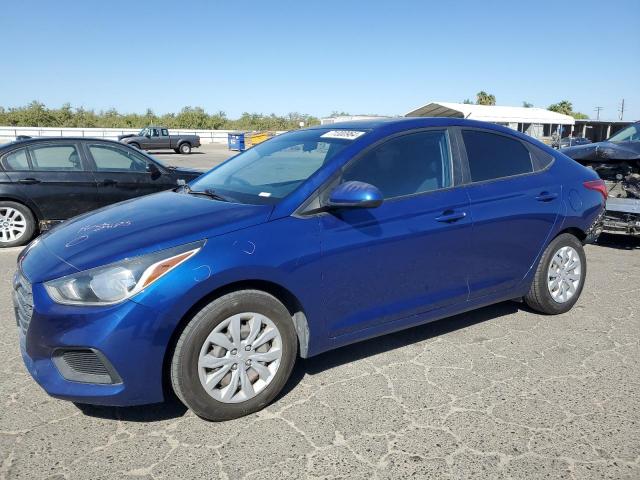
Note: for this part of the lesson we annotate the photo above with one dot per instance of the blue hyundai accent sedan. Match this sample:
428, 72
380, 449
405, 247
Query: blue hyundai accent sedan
313, 240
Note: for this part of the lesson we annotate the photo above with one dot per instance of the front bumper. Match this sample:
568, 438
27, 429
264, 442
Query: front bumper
125, 336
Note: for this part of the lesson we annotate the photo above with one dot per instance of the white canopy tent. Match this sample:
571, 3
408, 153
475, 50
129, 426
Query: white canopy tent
536, 122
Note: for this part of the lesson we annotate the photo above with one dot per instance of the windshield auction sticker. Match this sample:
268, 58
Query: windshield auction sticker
344, 134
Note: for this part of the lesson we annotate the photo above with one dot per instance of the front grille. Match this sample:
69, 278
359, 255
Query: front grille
22, 301
84, 365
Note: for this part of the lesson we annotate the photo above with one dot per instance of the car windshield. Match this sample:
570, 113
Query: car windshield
629, 134
270, 171
142, 132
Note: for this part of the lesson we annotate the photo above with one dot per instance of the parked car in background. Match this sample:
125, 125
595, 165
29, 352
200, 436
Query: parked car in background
617, 162
571, 141
312, 240
158, 138
46, 180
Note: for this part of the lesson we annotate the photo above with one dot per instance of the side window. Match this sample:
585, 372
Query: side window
165, 132
55, 158
155, 132
541, 159
16, 160
413, 163
113, 159
495, 156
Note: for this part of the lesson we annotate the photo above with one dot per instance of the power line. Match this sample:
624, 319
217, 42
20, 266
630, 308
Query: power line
597, 109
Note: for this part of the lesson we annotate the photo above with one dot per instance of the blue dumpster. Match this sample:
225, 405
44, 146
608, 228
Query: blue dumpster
236, 141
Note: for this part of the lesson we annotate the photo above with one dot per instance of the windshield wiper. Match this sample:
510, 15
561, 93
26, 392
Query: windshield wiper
207, 192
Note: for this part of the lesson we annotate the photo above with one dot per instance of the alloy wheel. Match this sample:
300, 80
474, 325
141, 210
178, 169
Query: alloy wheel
240, 357
13, 224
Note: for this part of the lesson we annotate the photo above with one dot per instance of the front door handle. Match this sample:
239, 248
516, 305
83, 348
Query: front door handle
28, 181
546, 197
449, 216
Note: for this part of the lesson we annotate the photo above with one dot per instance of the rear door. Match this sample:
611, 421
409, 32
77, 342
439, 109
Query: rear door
514, 208
54, 176
410, 254
122, 173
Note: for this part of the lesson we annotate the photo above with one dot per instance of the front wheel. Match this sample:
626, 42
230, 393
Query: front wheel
560, 276
185, 148
17, 224
234, 356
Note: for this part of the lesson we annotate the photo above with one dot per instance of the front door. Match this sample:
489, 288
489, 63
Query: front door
407, 256
122, 173
513, 207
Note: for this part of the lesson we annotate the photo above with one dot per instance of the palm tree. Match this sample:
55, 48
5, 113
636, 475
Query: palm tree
484, 98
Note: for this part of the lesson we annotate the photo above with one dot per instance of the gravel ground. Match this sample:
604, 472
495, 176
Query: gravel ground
496, 393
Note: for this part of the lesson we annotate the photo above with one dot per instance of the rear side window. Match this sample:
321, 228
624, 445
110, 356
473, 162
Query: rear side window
114, 159
495, 156
414, 163
55, 158
16, 160
165, 132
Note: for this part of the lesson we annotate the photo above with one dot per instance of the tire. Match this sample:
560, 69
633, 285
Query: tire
17, 224
545, 299
134, 145
189, 376
185, 148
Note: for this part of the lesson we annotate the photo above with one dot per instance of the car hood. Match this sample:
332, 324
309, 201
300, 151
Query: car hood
189, 172
132, 228
603, 151
128, 135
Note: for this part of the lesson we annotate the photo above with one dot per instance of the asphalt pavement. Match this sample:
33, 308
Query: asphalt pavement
501, 392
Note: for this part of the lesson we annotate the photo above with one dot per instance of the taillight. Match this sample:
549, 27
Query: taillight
598, 186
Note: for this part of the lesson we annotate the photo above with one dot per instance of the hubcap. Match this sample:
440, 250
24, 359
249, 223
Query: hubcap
240, 357
13, 225
563, 277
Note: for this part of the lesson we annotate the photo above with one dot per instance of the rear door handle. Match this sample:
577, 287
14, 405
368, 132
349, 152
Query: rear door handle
28, 181
108, 181
450, 216
546, 197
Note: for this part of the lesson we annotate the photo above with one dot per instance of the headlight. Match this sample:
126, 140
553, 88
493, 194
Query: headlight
118, 281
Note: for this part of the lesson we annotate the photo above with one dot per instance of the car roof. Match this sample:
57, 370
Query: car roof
35, 140
388, 125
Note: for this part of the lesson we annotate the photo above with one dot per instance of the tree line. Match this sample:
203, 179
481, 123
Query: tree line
37, 114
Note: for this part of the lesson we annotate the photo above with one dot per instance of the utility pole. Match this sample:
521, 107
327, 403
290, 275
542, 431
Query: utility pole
621, 109
597, 109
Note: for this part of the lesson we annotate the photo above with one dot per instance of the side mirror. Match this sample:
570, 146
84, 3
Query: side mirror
153, 170
148, 135
355, 195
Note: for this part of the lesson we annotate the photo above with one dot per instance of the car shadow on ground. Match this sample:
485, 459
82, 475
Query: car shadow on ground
165, 152
616, 240
173, 408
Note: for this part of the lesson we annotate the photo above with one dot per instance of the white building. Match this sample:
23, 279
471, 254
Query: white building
536, 122
348, 118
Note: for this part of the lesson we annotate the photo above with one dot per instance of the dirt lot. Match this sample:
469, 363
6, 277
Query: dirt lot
497, 393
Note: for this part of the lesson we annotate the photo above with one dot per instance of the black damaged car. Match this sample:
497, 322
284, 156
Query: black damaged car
47, 180
617, 162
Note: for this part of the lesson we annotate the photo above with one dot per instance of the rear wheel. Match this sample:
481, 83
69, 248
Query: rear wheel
17, 224
234, 356
185, 148
560, 276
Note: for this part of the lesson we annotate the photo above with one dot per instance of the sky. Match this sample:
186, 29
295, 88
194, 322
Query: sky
377, 57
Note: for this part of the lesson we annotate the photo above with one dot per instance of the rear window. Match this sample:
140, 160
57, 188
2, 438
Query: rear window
55, 158
494, 156
16, 160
